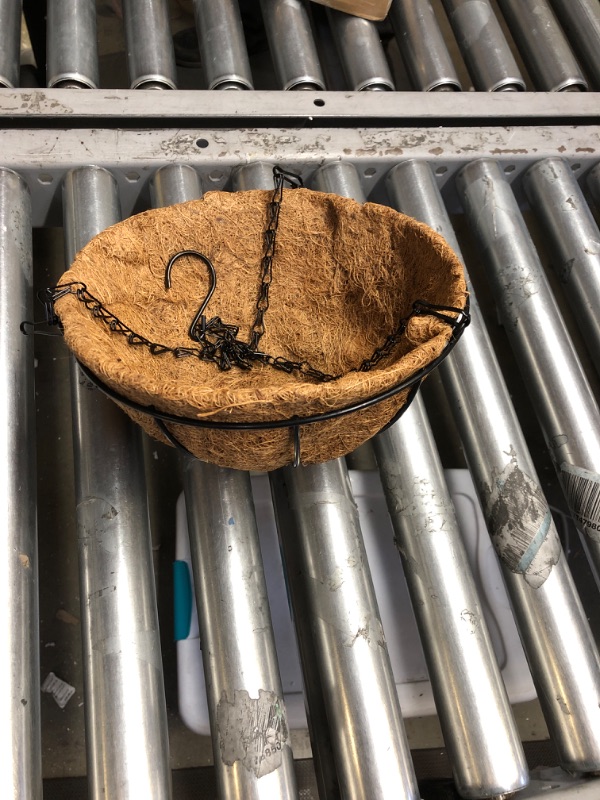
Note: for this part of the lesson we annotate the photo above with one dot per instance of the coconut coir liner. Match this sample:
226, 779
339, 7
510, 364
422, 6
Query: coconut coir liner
344, 275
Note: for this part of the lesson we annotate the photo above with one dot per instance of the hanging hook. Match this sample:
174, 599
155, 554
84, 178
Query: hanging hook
292, 178
199, 319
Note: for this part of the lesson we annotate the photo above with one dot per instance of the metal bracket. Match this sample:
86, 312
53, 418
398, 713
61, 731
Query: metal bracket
44, 155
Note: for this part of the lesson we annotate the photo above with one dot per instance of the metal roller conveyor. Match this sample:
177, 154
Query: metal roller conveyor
126, 720
475, 715
593, 182
479, 730
560, 206
319, 534
484, 48
222, 45
259, 174
422, 46
323, 742
561, 395
580, 20
292, 46
20, 745
552, 623
554, 630
253, 760
322, 543
251, 739
117, 150
10, 39
150, 56
72, 45
361, 53
543, 46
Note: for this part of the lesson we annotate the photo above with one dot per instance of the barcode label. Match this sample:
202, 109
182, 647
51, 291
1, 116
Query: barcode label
60, 690
582, 490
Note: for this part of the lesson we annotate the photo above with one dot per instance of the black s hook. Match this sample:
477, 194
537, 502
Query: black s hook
199, 320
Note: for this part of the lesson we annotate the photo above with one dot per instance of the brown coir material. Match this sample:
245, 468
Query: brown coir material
344, 275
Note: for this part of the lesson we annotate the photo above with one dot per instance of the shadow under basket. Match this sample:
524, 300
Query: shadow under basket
258, 329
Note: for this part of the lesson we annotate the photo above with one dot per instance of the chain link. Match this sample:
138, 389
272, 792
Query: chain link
270, 235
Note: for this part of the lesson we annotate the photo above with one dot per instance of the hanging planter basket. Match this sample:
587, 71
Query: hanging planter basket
261, 328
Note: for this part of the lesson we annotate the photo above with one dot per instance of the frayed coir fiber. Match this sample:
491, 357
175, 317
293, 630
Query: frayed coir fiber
344, 275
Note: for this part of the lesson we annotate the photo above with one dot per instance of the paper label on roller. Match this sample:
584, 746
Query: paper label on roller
521, 525
252, 730
60, 690
582, 490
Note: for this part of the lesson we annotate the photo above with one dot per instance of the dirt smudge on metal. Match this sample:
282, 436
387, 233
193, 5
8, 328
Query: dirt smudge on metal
371, 631
180, 144
514, 151
471, 619
336, 579
252, 730
563, 706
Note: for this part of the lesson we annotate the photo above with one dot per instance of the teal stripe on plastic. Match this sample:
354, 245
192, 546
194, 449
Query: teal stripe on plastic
182, 591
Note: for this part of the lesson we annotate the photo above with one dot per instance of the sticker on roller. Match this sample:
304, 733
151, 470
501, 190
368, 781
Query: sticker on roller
582, 490
252, 730
521, 526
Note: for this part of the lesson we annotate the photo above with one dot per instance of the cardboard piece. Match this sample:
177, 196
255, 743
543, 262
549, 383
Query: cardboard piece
367, 9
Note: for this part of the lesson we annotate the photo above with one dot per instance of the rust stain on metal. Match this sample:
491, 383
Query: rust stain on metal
521, 526
585, 150
252, 730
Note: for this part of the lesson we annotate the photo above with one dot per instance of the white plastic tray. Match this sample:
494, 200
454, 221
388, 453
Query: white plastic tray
408, 663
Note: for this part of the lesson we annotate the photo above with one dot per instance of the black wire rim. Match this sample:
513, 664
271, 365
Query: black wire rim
296, 421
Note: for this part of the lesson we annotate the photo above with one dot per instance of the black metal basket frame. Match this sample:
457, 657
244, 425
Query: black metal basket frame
294, 423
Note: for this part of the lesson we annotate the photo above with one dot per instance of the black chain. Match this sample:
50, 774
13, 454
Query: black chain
234, 352
294, 181
217, 340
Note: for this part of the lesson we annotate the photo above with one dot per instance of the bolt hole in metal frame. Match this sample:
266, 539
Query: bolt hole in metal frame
134, 157
134, 186
45, 133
